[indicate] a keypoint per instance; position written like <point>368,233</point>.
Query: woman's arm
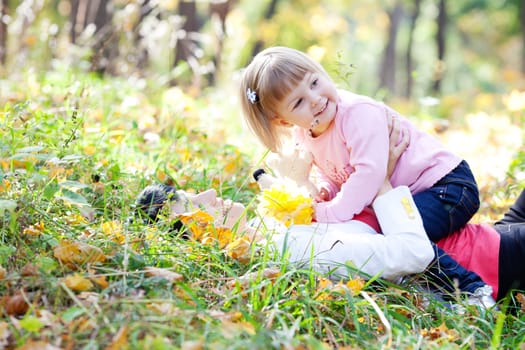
<point>403,249</point>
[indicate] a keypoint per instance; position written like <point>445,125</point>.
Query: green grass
<point>75,147</point>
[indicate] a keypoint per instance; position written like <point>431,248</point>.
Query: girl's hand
<point>322,196</point>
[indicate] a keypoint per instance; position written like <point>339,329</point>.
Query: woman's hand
<point>399,141</point>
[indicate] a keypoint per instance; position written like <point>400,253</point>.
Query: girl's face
<point>311,105</point>
<point>225,212</point>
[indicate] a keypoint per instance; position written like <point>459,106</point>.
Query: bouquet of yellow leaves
<point>287,204</point>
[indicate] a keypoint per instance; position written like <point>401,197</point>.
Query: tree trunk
<point>388,65</point>
<point>185,46</point>
<point>104,44</point>
<point>270,12</point>
<point>409,63</point>
<point>522,21</point>
<point>218,10</point>
<point>439,70</point>
<point>3,32</point>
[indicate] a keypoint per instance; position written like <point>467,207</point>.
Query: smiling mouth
<point>322,109</point>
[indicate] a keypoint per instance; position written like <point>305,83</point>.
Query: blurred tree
<point>519,5</point>
<point>3,32</point>
<point>388,64</point>
<point>268,14</point>
<point>439,69</point>
<point>186,46</point>
<point>92,19</point>
<point>409,66</point>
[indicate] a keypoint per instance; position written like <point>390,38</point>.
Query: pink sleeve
<point>366,135</point>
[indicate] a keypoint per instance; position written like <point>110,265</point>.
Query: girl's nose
<point>315,100</point>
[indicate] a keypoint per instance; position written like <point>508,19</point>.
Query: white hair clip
<point>252,96</point>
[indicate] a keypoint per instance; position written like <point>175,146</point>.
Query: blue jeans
<point>450,203</point>
<point>446,273</point>
<point>445,208</point>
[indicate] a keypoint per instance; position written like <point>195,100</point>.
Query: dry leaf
<point>29,269</point>
<point>113,229</point>
<point>34,230</point>
<point>192,345</point>
<point>240,250</point>
<point>37,345</point>
<point>15,305</point>
<point>244,281</point>
<point>120,340</point>
<point>164,273</point>
<point>78,283</point>
<point>77,253</point>
<point>3,273</point>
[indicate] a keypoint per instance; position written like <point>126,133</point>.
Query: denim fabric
<point>445,208</point>
<point>450,203</point>
<point>446,273</point>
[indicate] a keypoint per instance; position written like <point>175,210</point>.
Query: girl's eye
<point>297,103</point>
<point>314,83</point>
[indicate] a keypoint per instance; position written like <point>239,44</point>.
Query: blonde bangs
<point>277,83</point>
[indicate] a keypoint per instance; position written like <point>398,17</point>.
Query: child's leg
<point>445,208</point>
<point>516,213</point>
<point>450,203</point>
<point>445,272</point>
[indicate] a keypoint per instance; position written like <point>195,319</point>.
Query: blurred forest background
<point>446,62</point>
<point>409,48</point>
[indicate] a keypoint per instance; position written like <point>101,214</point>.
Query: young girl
<point>348,136</point>
<point>283,89</point>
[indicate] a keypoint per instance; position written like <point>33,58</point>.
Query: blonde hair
<point>272,75</point>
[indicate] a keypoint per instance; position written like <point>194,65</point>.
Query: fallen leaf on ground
<point>164,273</point>
<point>15,305</point>
<point>75,253</point>
<point>120,340</point>
<point>78,283</point>
<point>37,345</point>
<point>244,281</point>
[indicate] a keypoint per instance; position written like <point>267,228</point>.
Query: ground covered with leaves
<point>78,269</point>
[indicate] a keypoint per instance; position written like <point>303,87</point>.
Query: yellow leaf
<point>239,249</point>
<point>100,281</point>
<point>75,219</point>
<point>356,285</point>
<point>78,283</point>
<point>34,230</point>
<point>120,340</point>
<point>113,229</point>
<point>5,185</point>
<point>3,272</point>
<point>77,253</point>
